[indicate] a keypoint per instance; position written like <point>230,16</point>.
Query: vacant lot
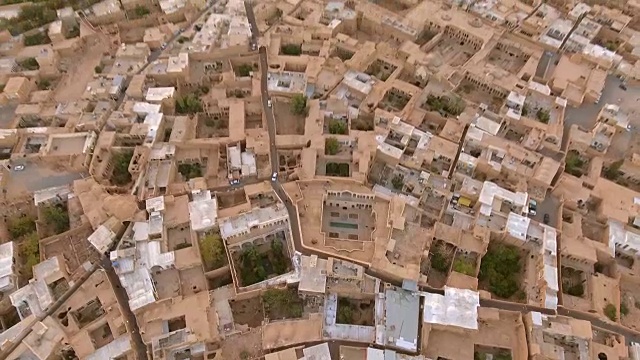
<point>287,123</point>
<point>247,312</point>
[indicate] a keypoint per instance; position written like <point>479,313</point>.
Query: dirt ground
<point>243,346</point>
<point>73,83</point>
<point>247,312</point>
<point>231,198</point>
<point>286,122</point>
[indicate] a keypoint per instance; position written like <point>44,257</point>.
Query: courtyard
<point>347,223</point>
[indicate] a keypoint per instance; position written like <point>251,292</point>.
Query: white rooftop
<point>258,217</point>
<point>457,307</point>
<point>157,94</point>
<point>203,213</point>
<point>102,238</point>
<point>6,266</point>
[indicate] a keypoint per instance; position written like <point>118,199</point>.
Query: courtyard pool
<point>343,225</point>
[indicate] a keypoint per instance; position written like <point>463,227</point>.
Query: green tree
<point>141,11</point>
<point>612,172</point>
<point>44,84</point>
<point>120,175</point>
<point>337,127</point>
<point>57,216</point>
<point>575,290</point>
<point>252,270</point>
<point>245,70</point>
<point>98,69</point>
<point>188,104</point>
<point>573,163</point>
<point>299,104</point>
<point>190,171</point>
<point>283,301</point>
<point>611,312</point>
<point>291,49</point>
<point>212,251</point>
<point>500,267</point>
<point>331,146</point>
<point>464,267</point>
<point>345,313</point>
<point>439,262</point>
<point>543,115</point>
<point>20,226</point>
<point>525,110</point>
<point>38,38</point>
<point>398,182</point>
<point>29,64</point>
<point>624,309</point>
<point>30,252</point>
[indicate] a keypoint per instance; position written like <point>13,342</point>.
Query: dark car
<point>546,218</point>
<point>623,87</point>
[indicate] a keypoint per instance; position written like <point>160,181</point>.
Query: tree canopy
<point>500,268</point>
<point>331,146</point>
<point>188,104</point>
<point>299,104</point>
<point>57,216</point>
<point>337,127</point>
<point>121,175</point>
<point>212,250</point>
<point>21,226</point>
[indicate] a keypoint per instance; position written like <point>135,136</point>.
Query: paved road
<point>295,227</point>
<point>271,126</point>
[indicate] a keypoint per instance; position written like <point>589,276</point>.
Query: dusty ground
<point>73,83</point>
<point>286,122</point>
<point>244,346</point>
<point>247,312</point>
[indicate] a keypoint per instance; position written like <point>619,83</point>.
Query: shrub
<point>331,146</point>
<point>624,309</point>
<point>21,226</point>
<point>188,104</point>
<point>38,38</point>
<point>245,70</point>
<point>397,182</point>
<point>611,312</point>
<point>141,11</point>
<point>464,267</point>
<point>291,49</point>
<point>30,251</point>
<point>576,290</point>
<point>57,216</point>
<point>543,115</point>
<point>299,104</point>
<point>439,262</point>
<point>98,69</point>
<point>120,175</point>
<point>29,64</point>
<point>337,127</point>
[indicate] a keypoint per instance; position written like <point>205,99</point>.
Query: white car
<point>274,176</point>
<point>269,103</point>
<point>18,168</point>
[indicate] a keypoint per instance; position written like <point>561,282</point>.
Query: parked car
<point>533,207</point>
<point>274,176</point>
<point>18,168</point>
<point>546,219</point>
<point>269,103</point>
